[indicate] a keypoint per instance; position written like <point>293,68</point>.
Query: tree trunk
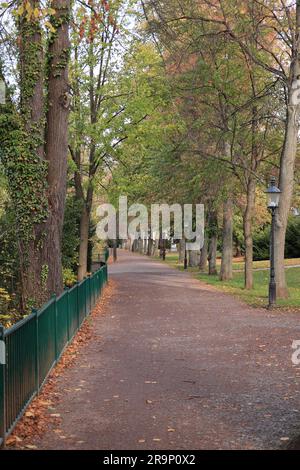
<point>194,257</point>
<point>150,247</point>
<point>247,226</point>
<point>212,256</point>
<point>57,141</point>
<point>84,241</point>
<point>287,166</point>
<point>181,248</point>
<point>33,288</point>
<point>286,183</point>
<point>212,251</point>
<point>115,253</point>
<point>226,264</point>
<point>203,255</point>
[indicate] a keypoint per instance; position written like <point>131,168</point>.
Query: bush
<point>261,241</point>
<point>69,277</point>
<point>71,237</point>
<point>261,244</point>
<point>292,242</point>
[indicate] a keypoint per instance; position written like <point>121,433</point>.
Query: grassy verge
<point>238,264</point>
<point>258,296</point>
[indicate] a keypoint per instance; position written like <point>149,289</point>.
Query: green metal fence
<point>31,347</point>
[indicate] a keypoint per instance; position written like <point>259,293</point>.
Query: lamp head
<point>273,194</point>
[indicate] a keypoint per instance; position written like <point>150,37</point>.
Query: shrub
<point>261,241</point>
<point>69,277</point>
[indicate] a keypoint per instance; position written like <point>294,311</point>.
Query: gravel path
<point>176,364</point>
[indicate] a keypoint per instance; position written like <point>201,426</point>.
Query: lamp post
<point>273,194</point>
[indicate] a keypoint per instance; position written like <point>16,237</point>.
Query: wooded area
<point>163,101</point>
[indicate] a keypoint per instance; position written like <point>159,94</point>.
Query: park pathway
<point>176,364</point>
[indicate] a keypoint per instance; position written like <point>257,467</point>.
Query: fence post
<point>85,296</point>
<point>55,326</point>
<point>68,313</point>
<point>88,289</point>
<point>101,277</point>
<point>37,363</point>
<point>2,388</point>
<point>77,294</point>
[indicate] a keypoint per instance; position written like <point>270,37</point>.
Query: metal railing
<point>31,347</point>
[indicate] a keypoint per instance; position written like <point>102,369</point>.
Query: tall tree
<point>35,152</point>
<point>95,106</point>
<point>56,140</point>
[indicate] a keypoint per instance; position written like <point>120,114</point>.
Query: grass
<point>238,263</point>
<point>258,296</point>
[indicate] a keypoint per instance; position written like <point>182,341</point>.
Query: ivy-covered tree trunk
<point>28,178</point>
<point>57,141</point>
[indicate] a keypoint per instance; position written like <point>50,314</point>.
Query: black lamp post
<point>273,194</point>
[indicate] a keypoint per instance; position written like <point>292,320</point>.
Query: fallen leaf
<point>12,440</point>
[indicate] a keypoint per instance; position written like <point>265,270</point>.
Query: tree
<point>98,104</point>
<point>35,146</point>
<point>227,86</point>
<point>274,28</point>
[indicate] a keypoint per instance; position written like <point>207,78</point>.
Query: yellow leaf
<point>20,10</point>
<point>49,26</point>
<point>28,8</point>
<point>36,12</point>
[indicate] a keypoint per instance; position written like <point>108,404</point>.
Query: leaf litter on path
<point>37,419</point>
